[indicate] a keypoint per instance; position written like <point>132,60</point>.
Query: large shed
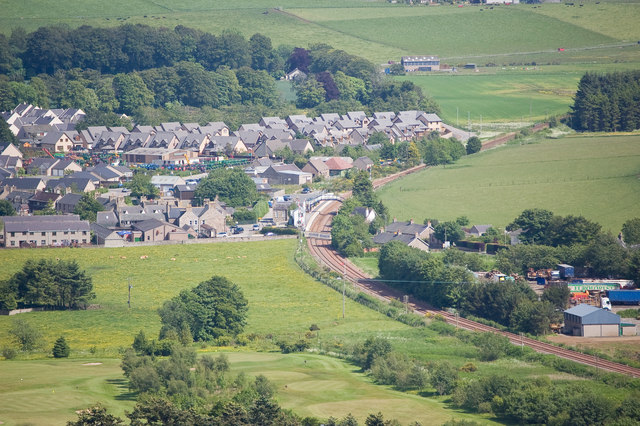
<point>590,321</point>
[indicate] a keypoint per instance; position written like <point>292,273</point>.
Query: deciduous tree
<point>213,308</point>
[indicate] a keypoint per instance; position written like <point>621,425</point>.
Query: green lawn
<point>49,392</point>
<point>506,95</point>
<point>265,271</point>
<point>593,176</point>
<point>315,385</point>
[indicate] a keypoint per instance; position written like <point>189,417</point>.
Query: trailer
<point>566,271</point>
<point>592,286</point>
<point>624,297</point>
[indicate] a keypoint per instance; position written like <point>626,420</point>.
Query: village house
<point>41,231</point>
<point>56,142</point>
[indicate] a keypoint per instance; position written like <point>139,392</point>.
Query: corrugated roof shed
<point>592,315</point>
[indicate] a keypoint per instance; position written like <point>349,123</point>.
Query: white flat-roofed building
<point>420,63</point>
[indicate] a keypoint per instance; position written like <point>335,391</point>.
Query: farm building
<point>420,63</point>
<point>590,321</point>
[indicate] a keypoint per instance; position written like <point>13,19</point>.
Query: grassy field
<point>376,30</point>
<point>265,271</point>
<point>593,176</point>
<point>510,95</point>
<point>49,392</point>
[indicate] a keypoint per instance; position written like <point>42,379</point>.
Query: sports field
<point>593,176</point>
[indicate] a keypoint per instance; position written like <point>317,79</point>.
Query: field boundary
<point>501,140</point>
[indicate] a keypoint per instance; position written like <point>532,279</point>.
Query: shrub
<point>469,367</point>
<point>279,231</point>
<point>61,348</point>
<point>25,335</point>
<point>9,353</point>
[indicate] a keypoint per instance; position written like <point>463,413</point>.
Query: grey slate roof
<point>23,183</point>
<point>70,198</point>
<point>406,228</point>
<point>45,223</point>
<point>107,218</point>
<point>385,237</point>
<point>149,224</point>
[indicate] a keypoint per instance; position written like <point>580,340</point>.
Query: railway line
<point>321,249</point>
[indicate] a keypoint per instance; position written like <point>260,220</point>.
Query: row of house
<point>55,131</point>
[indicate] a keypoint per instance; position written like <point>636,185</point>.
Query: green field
<point>265,271</point>
<point>593,176</point>
<point>49,392</point>
<point>506,95</point>
<point>282,301</point>
<point>376,30</point>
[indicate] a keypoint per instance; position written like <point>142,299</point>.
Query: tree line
<point>340,82</point>
<point>607,102</point>
<point>53,284</point>
<point>153,74</point>
<point>547,240</point>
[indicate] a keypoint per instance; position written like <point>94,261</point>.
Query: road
<point>321,249</point>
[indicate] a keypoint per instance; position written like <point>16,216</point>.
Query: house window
<point>31,233</point>
<point>84,241</point>
<point>84,232</point>
<point>54,233</point>
<point>43,242</point>
<point>73,232</point>
<point>54,241</point>
<point>13,234</point>
<point>44,233</point>
<point>66,232</point>
<point>13,243</point>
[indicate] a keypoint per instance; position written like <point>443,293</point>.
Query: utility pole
<point>130,286</point>
<point>406,303</point>
<point>344,286</point>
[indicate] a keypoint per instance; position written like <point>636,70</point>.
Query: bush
<point>279,231</point>
<point>289,347</point>
<point>25,335</point>
<point>9,353</point>
<point>469,367</point>
<point>61,348</point>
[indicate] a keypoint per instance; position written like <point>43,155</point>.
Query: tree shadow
<point>124,393</point>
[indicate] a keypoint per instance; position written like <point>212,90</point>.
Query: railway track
<point>321,249</point>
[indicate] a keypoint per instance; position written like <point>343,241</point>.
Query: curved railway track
<point>322,251</point>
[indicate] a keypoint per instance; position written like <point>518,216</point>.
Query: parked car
<point>256,227</point>
<point>238,230</point>
<point>287,197</point>
<point>269,234</point>
<point>222,234</point>
<point>306,190</point>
